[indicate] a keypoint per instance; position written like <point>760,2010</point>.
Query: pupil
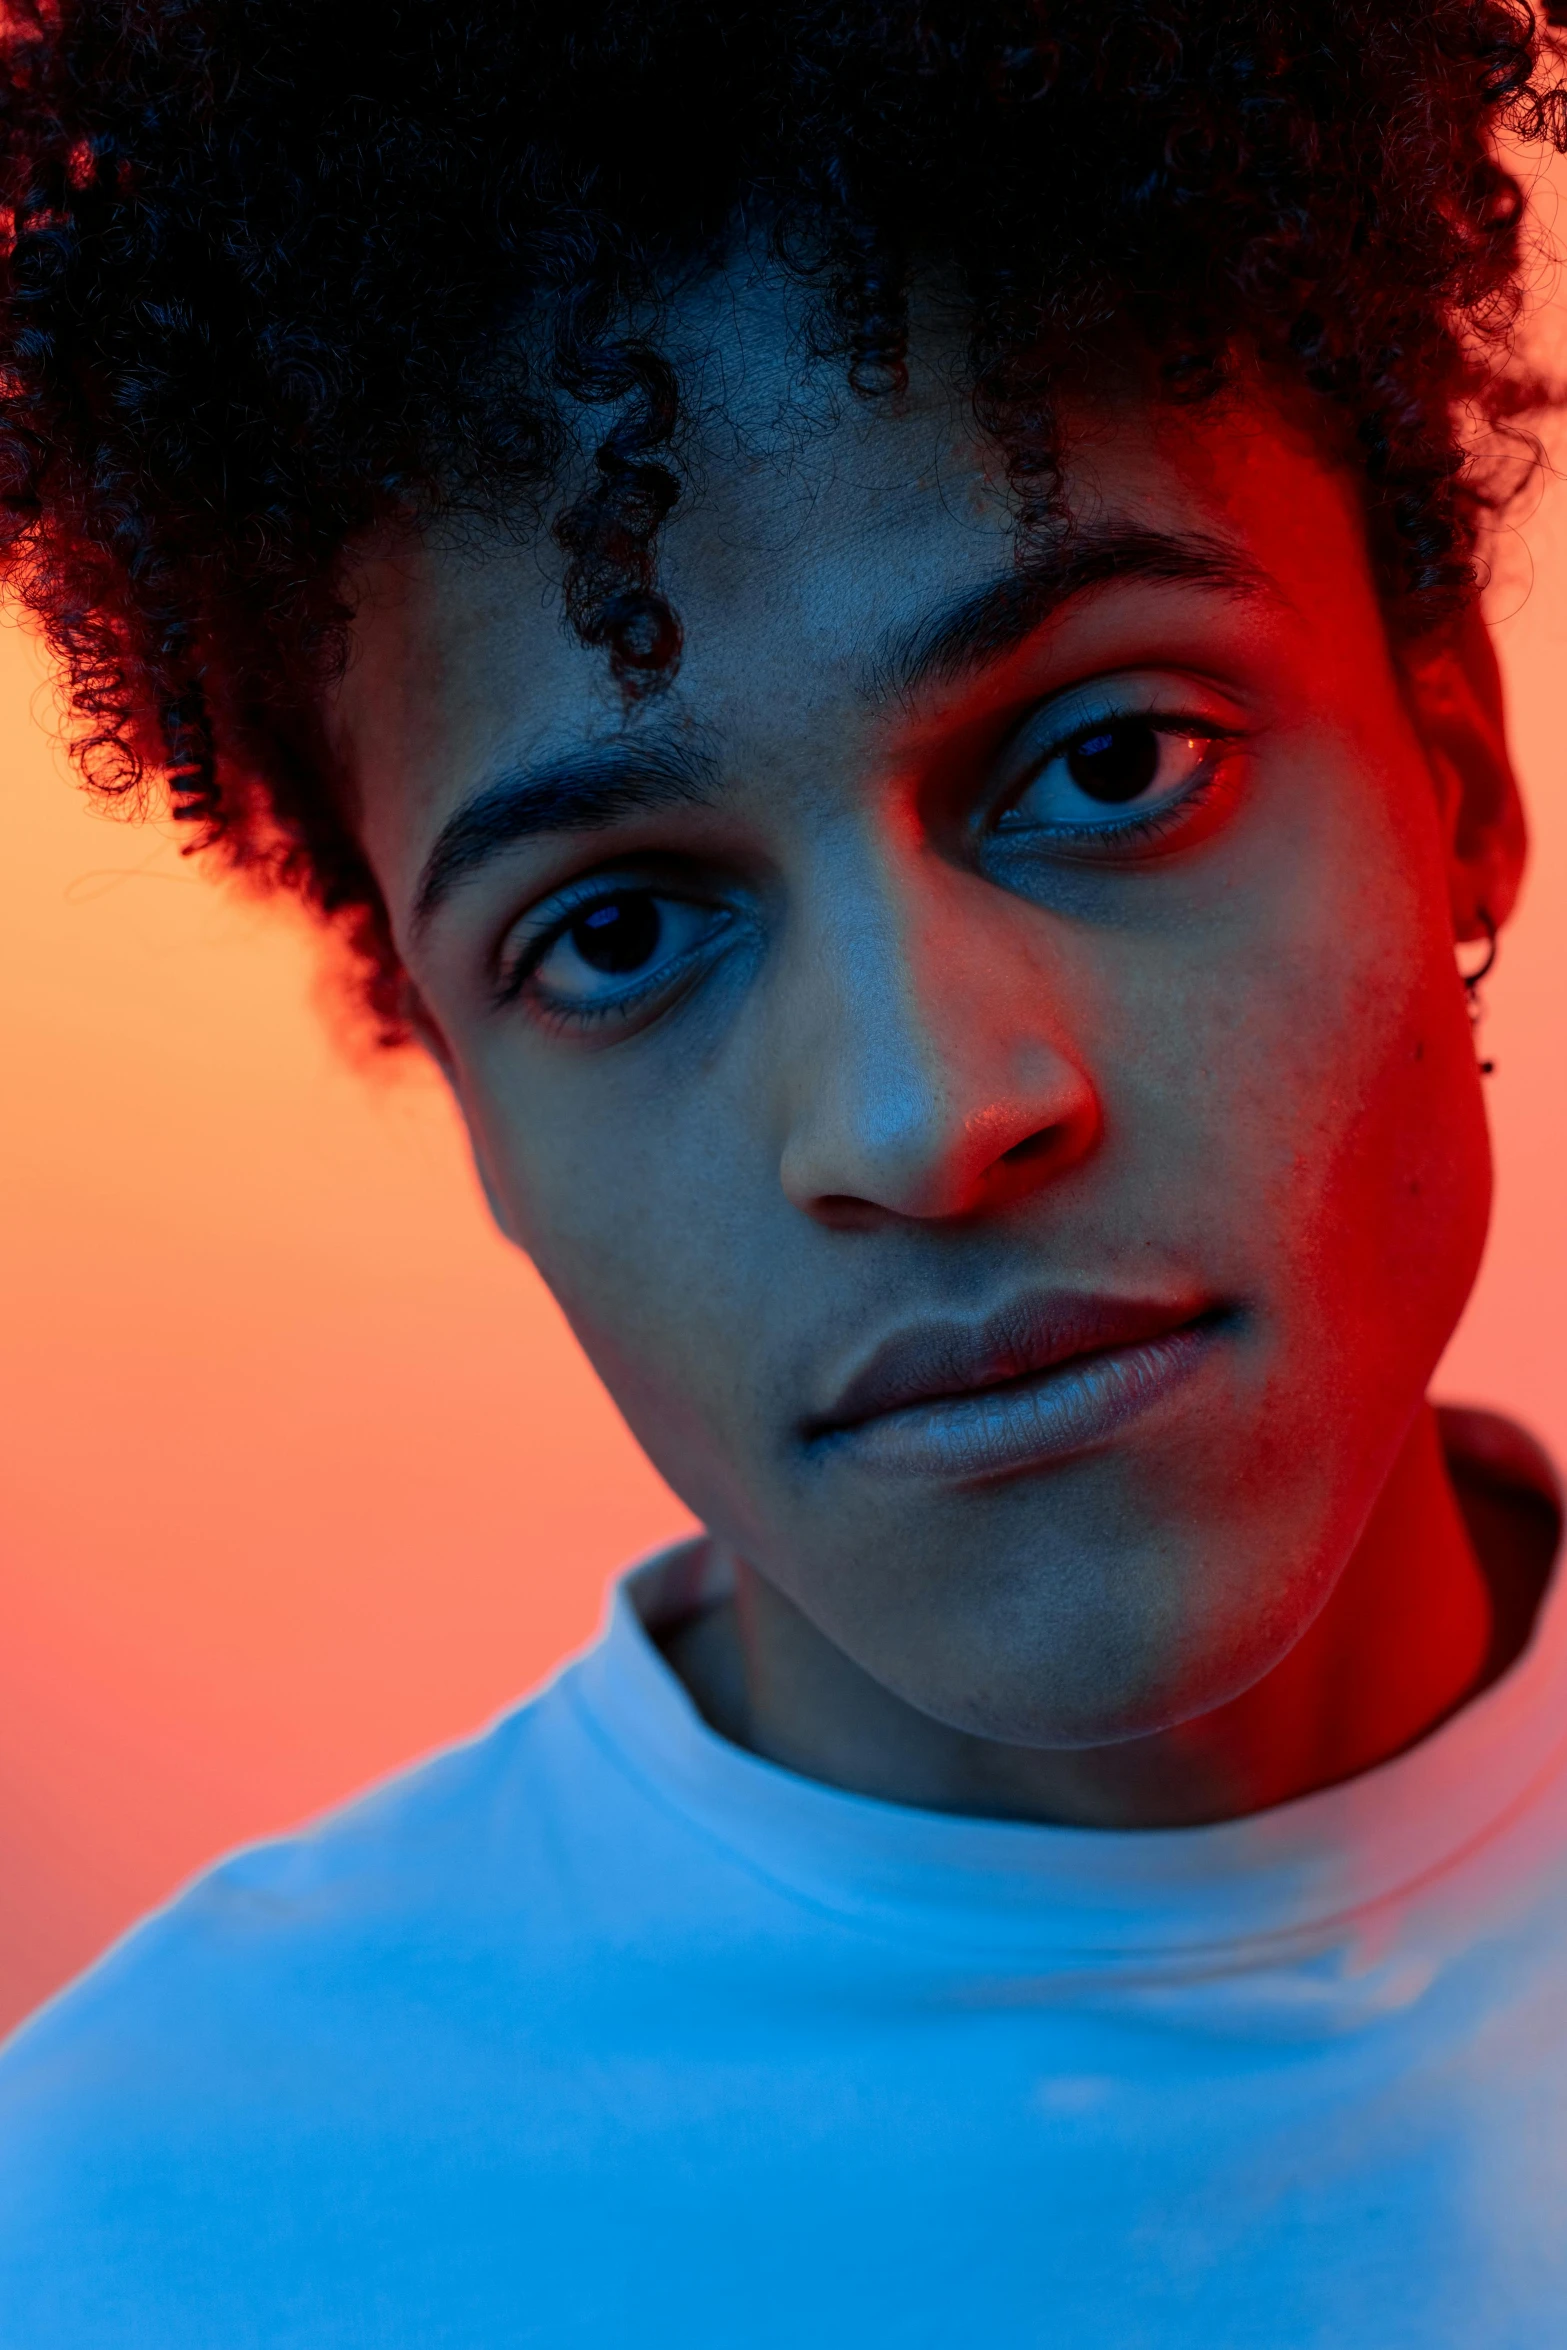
<point>1118,763</point>
<point>619,936</point>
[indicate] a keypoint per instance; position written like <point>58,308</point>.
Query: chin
<point>1069,1686</point>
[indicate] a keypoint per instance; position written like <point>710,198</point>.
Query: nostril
<point>841,1211</point>
<point>1032,1146</point>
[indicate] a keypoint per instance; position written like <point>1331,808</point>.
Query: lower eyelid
<point>634,990</point>
<point>1210,746</point>
<point>1148,825</point>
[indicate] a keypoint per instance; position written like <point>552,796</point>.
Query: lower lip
<point>1072,1408</point>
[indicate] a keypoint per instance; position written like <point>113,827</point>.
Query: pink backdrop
<point>301,1470</point>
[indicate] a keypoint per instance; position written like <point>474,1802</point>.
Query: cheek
<point>1409,1189</point>
<point>640,1217</point>
<point>1324,1094</point>
<point>1404,1186</point>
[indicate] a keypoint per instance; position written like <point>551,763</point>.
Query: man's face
<point>983,1071</point>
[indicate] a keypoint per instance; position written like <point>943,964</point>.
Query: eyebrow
<point>581,791</point>
<point>994,620</point>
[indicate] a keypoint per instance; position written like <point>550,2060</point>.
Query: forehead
<point>815,532</point>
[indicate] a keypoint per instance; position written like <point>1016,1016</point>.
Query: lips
<point>1048,1374</point>
<point>1032,1334</point>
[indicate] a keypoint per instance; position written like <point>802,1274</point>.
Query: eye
<point>619,936</point>
<point>614,948</point>
<point>1128,766</point>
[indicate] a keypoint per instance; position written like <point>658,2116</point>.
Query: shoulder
<point>293,1961</point>
<point>367,1872</point>
<point>344,2064</point>
<point>439,1914</point>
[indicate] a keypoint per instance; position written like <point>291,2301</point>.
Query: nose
<point>927,1064</point>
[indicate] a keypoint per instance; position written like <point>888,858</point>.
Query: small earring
<point>1472,979</point>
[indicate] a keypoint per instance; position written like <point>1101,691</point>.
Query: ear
<point>428,1035</point>
<point>1455,695</point>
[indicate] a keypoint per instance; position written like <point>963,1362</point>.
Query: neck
<point>1402,1641</point>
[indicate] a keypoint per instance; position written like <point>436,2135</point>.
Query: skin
<point>920,1054</point>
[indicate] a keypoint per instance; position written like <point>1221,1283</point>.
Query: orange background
<point>301,1470</point>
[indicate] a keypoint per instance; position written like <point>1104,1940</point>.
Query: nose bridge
<point>917,1040</point>
<point>879,1057</point>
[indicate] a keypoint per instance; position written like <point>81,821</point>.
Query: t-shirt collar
<point>1301,1876</point>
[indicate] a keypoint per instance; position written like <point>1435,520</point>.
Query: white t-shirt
<point>600,2031</point>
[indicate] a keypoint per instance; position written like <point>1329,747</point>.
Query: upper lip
<point>1030,1334</point>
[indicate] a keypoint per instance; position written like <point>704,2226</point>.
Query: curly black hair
<point>275,273</point>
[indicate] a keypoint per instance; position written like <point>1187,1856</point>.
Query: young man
<point>865,618</point>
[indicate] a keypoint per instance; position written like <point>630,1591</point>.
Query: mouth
<point>1047,1379</point>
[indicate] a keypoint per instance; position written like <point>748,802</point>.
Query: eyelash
<point>1157,823</point>
<point>570,907</point>
<point>582,898</point>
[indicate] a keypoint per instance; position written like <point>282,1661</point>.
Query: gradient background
<point>300,1470</point>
